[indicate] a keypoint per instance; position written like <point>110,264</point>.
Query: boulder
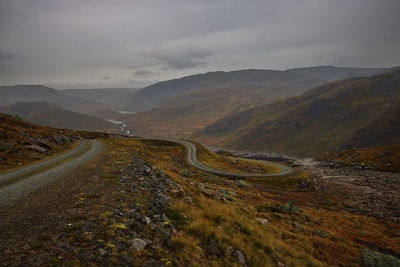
<point>139,244</point>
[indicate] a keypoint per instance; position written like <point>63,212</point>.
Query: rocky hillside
<point>140,204</point>
<point>22,142</point>
<point>383,158</point>
<point>48,114</point>
<point>357,112</point>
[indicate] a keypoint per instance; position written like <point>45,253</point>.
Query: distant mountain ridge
<point>160,93</point>
<point>332,73</point>
<point>215,97</point>
<point>12,94</point>
<point>99,94</point>
<point>355,112</point>
<point>180,106</point>
<point>50,114</point>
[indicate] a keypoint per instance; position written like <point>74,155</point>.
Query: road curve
<point>192,159</point>
<point>15,183</point>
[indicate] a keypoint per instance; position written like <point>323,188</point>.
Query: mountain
<point>99,95</point>
<point>351,113</point>
<point>160,93</point>
<point>49,114</point>
<point>213,96</point>
<point>12,94</point>
<point>181,106</point>
<point>332,73</point>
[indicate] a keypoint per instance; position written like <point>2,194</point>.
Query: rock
<point>185,173</point>
<point>240,256</point>
<point>37,149</point>
<point>139,244</point>
<point>42,143</point>
<point>102,252</point>
<point>376,259</point>
<point>262,221</point>
<point>147,220</point>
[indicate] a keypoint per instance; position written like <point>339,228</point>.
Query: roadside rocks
<point>364,191</point>
<point>139,244</point>
<point>148,220</point>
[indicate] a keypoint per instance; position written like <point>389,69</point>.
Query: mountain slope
<point>12,94</point>
<point>45,113</point>
<point>161,93</point>
<point>22,142</point>
<point>232,92</point>
<point>358,112</point>
<point>185,105</point>
<point>332,73</point>
<point>99,95</point>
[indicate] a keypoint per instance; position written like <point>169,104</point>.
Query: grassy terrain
<point>85,224</point>
<point>231,163</point>
<point>352,113</point>
<point>22,143</point>
<point>381,158</point>
<point>312,237</point>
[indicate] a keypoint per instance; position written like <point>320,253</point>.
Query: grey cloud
<point>145,74</point>
<point>181,58</point>
<point>64,42</point>
<point>6,56</point>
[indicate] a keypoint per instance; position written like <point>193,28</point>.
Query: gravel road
<point>192,159</point>
<point>26,180</point>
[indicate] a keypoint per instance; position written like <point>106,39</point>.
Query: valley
<point>191,133</point>
<point>246,168</point>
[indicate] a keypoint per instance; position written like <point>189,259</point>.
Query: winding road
<point>192,159</point>
<point>18,182</point>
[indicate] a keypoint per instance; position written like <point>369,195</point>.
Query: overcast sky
<point>121,43</point>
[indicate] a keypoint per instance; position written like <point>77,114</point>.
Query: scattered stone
<point>102,252</point>
<point>37,148</point>
<point>376,259</point>
<point>262,221</point>
<point>185,173</point>
<point>240,256</point>
<point>139,244</point>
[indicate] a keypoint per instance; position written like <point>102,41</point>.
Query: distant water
<point>126,112</point>
<point>114,121</point>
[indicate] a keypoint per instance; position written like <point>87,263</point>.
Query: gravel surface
<point>192,159</point>
<point>11,192</point>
